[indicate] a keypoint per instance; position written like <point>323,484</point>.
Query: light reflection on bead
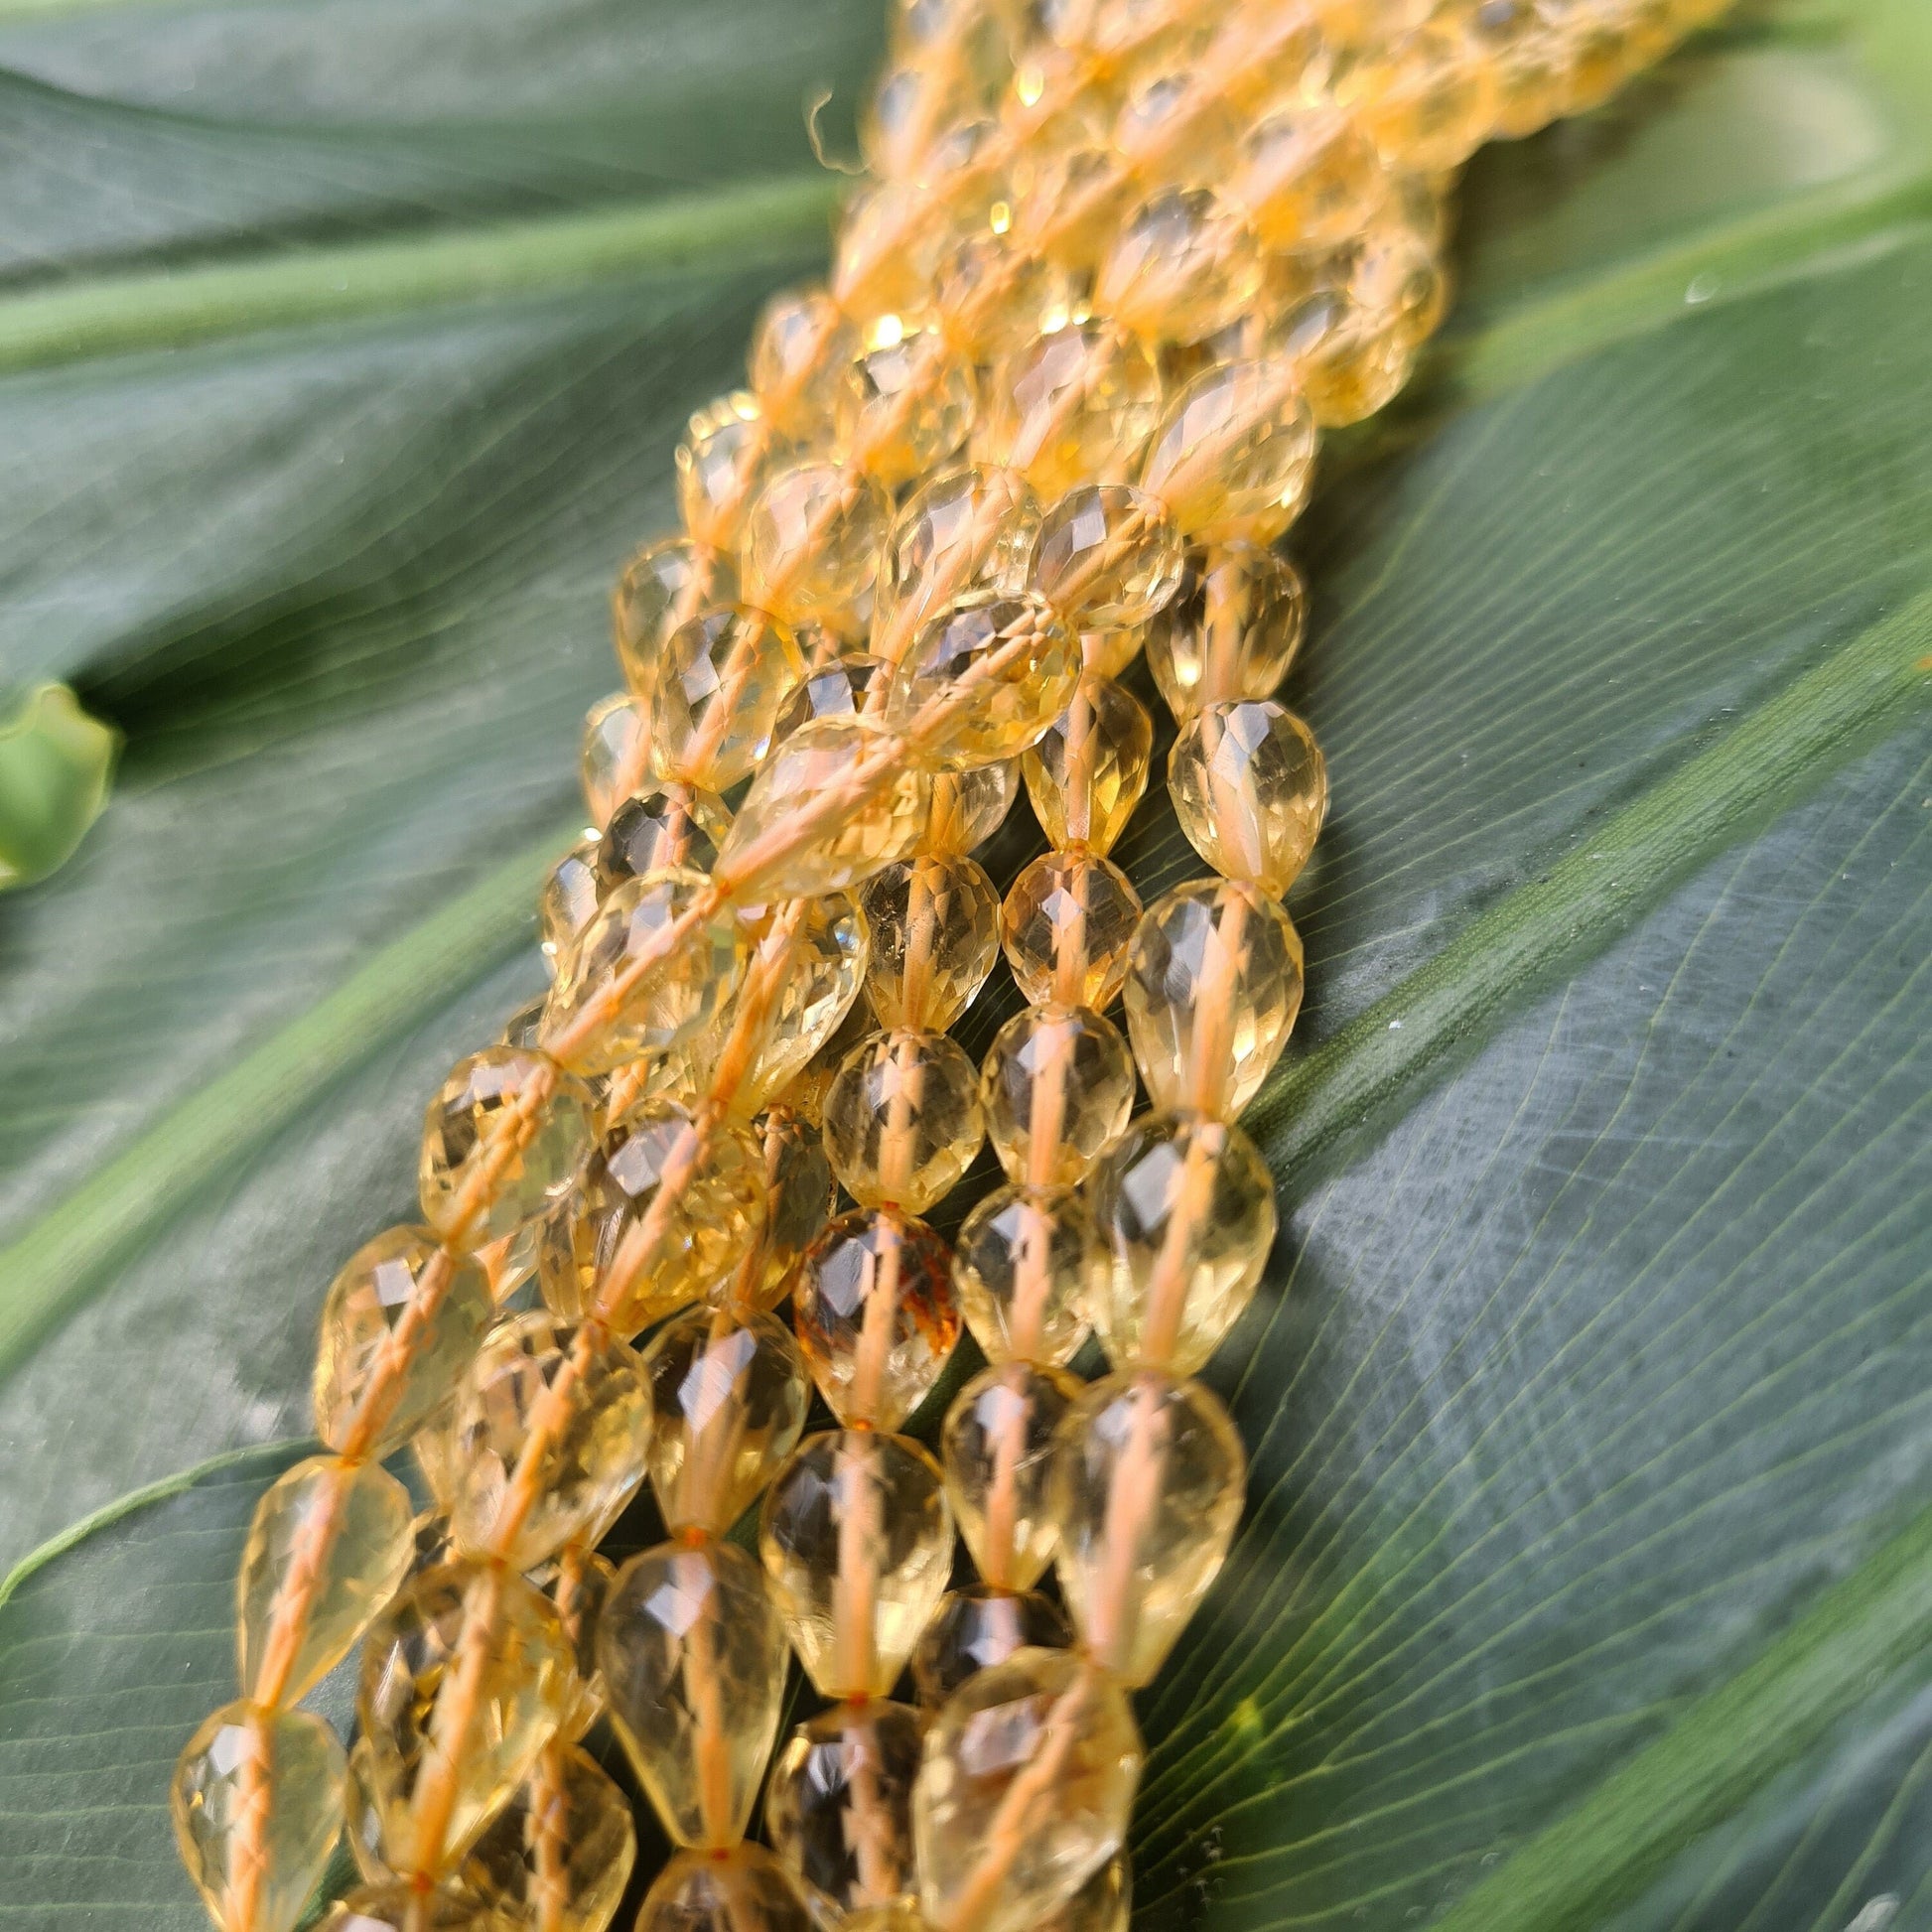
<point>1075,406</point>
<point>902,1119</point>
<point>904,405</point>
<point>1070,907</point>
<point>570,1856</point>
<point>1250,789</point>
<point>997,1449</point>
<point>723,462</point>
<point>1231,631</point>
<point>983,680</point>
<point>799,351</point>
<point>1056,1086</point>
<point>722,681</point>
<point>1234,453</point>
<point>664,586</point>
<point>969,529</point>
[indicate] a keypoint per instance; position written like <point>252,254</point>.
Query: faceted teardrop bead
<point>799,351</point>
<point>1089,769</point>
<point>1108,555</point>
<point>616,756</point>
<point>552,1427</point>
<point>1234,453</point>
<point>1178,126</point>
<point>399,1907</point>
<point>935,933</point>
<point>466,1677</point>
<point>743,1891</point>
<point>1308,178</point>
<point>836,689</point>
<point>396,1279</point>
<point>257,1807</point>
<point>967,529</point>
<point>839,1807</point>
<point>503,1142</point>
<point>1213,986</point>
<point>350,1526</point>
<point>727,454</point>
<point>1350,360</point>
<point>1147,1493</point>
<point>1022,1271</point>
<point>567,902</point>
<point>720,685</point>
<point>902,1119</point>
<point>980,1626</point>
<point>1077,192</point>
<point>1185,1208</point>
<point>968,807</point>
<point>1183,265</point>
<point>911,108</point>
<point>983,680</point>
<point>994,296</point>
<point>671,824</point>
<point>875,1315</point>
<point>580,1589</point>
<point>1231,631</point>
<point>650,972</point>
<point>996,1448</point>
<point>1073,407</point>
<point>663,587</point>
<point>1250,789</point>
<point>890,242</point>
<point>729,1395</point>
<point>906,403</point>
<point>857,1539</point>
<point>1026,1790</point>
<point>799,1197</point>
<point>1426,101</point>
<point>1067,924</point>
<point>1057,1087</point>
<point>565,1851</point>
<point>811,546</point>
<point>693,1650</point>
<point>1397,277</point>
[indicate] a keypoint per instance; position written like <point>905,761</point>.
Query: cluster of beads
<point>1119,264</point>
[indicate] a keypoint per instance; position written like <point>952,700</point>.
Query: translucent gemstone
<point>967,529</point>
<point>906,403</point>
<point>503,1142</point>
<point>983,680</point>
<point>997,1449</point>
<point>727,454</point>
<point>935,933</point>
<point>1026,1790</point>
<point>1308,178</point>
<point>1057,1087</point>
<point>902,1119</point>
<point>799,351</point>
<point>839,1807</point>
<point>891,242</point>
<point>616,756</point>
<point>1250,789</point>
<point>1426,101</point>
<point>799,1197</point>
<point>561,1856</point>
<point>1147,1493</point>
<point>1231,631</point>
<point>1348,360</point>
<point>400,1907</point>
<point>396,1277</point>
<point>650,972</point>
<point>1397,277</point>
<point>744,1890</point>
<point>580,1589</point>
<point>836,689</point>
<point>968,807</point>
<point>729,1395</point>
<point>980,1626</point>
<point>911,108</point>
<point>364,1821</point>
<point>1103,1904</point>
<point>567,902</point>
<point>257,1806</point>
<point>466,1677</point>
<point>1106,555</point>
<point>663,825</point>
<point>1075,406</point>
<point>1185,1208</point>
<point>1089,769</point>
<point>1213,986</point>
<point>811,545</point>
<point>693,1650</point>
<point>1234,453</point>
<point>1183,265</point>
<point>1077,194</point>
<point>1022,1271</point>
<point>994,296</point>
<point>349,1524</point>
<point>1068,923</point>
<point>857,1539</point>
<point>807,1097</point>
<point>722,681</point>
<point>1178,126</point>
<point>662,587</point>
<point>551,1430</point>
<point>875,1315</point>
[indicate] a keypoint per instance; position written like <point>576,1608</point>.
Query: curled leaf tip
<point>55,767</point>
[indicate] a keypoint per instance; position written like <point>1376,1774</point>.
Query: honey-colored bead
<point>1176,127</point>
<point>1183,265</point>
<point>257,1805</point>
<point>664,586</point>
<point>1231,631</point>
<point>382,1285</point>
<point>984,679</point>
<point>745,1889</point>
<point>1425,100</point>
<point>1185,1209</point>
<point>615,758</point>
<point>723,679</point>
<point>1146,1492</point>
<point>580,1589</point>
<point>980,1864</point>
<point>349,1525</point>
<point>1399,279</point>
<point>1089,769</point>
<point>1348,360</point>
<point>1308,178</point>
<point>1076,192</point>
<point>439,1772</point>
<point>362,1820</point>
<point>561,1856</point>
<point>997,1449</point>
<point>399,1907</point>
<point>875,1313</point>
<point>799,1197</point>
<point>661,826</point>
<point>857,1539</point>
<point>974,1629</point>
<point>799,351</point>
<point>832,690</point>
<point>1023,1270</point>
<point>994,296</point>
<point>967,529</point>
<point>968,807</point>
<point>729,1395</point>
<point>906,403</point>
<point>1067,924</point>
<point>1056,1087</point>
<point>727,454</point>
<point>1108,555</point>
<point>902,1119</point>
<point>811,546</point>
<point>1212,989</point>
<point>839,1807</point>
<point>504,1140</point>
<point>935,933</point>
<point>693,1649</point>
<point>1234,453</point>
<point>890,243</point>
<point>567,902</point>
<point>1250,789</point>
<point>911,108</point>
<point>1073,407</point>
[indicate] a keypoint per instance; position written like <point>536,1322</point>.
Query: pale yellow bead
<point>727,454</point>
<point>799,1197</point>
<point>997,1449</point>
<point>615,758</point>
<point>902,1119</point>
<point>1178,127</point>
<point>663,586</point>
<point>839,1805</point>
<point>1023,1269</point>
<point>1427,100</point>
<point>1074,406</point>
<point>561,1856</point>
<point>969,806</point>
<point>362,1820</point>
<point>1108,555</point>
<point>1103,1904</point>
<point>1089,769</point>
<point>905,404</point>
<point>1075,191</point>
<point>661,825</point>
<point>910,109</point>
<point>993,297</point>
<point>1350,360</point>
<point>580,1588</point>
<point>1067,924</point>
<point>799,351</point>
<point>1234,453</point>
<point>835,688</point>
<point>1231,631</point>
<point>722,681</point>
<point>1251,788</point>
<point>969,529</point>
<point>1397,277</point>
<point>743,1891</point>
<point>1183,265</point>
<point>567,902</point>
<point>935,934</point>
<point>398,1907</point>
<point>980,1626</point>
<point>891,242</point>
<point>1056,1087</point>
<point>1308,178</point>
<point>813,542</point>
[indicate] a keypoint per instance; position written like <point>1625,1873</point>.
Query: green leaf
<point>1583,1579</point>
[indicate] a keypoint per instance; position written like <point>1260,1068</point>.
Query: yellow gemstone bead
<point>1000,1859</point>
<point>743,1891</point>
<point>1348,360</point>
<point>349,1524</point>
<point>1068,923</point>
<point>616,756</point>
<point>257,1805</point>
<point>994,296</point>
<point>727,454</point>
<point>1186,1210</point>
<point>839,1807</point>
<point>1056,1087</point>
<point>813,542</point>
<point>1076,191</point>
<point>1397,277</point>
<point>664,586</point>
<point>836,689</point>
<point>561,1856</point>
<point>1427,100</point>
<point>661,826</point>
<point>1022,1271</point>
<point>729,1395</point>
<point>1108,555</point>
<point>1089,769</point>
<point>902,1119</point>
<point>1147,1493</point>
<point>967,529</point>
<point>380,1287</point>
<point>799,351</point>
<point>1234,453</point>
<point>1212,989</point>
<point>567,902</point>
<point>935,933</point>
<point>363,1820</point>
<point>504,1140</point>
<point>1308,178</point>
<point>1178,127</point>
<point>1103,1904</point>
<point>997,1449</point>
<point>968,807</point>
<point>722,681</point>
<point>890,243</point>
<point>912,106</point>
<point>1183,265</point>
<point>974,1629</point>
<point>906,403</point>
<point>984,679</point>
<point>580,1589</point>
<point>1231,631</point>
<point>397,1907</point>
<point>1075,406</point>
<point>1530,62</point>
<point>693,1649</point>
<point>1250,789</point>
<point>857,1540</point>
<point>875,1315</point>
<point>799,1197</point>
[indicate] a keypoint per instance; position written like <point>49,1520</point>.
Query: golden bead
<point>722,681</point>
<point>364,1821</point>
<point>799,1197</point>
<point>616,756</point>
<point>967,529</point>
<point>811,546</point>
<point>1348,360</point>
<point>663,825</point>
<point>1231,631</point>
<point>1056,1087</point>
<point>1066,924</point>
<point>906,403</point>
<point>969,806</point>
<point>1250,789</point>
<point>993,297</point>
<point>1075,406</point>
<point>398,1907</point>
<point>1107,556</point>
<point>984,679</point>
<point>997,1449</point>
<point>1308,178</point>
<point>1103,1904</point>
<point>1086,773</point>
<point>835,688</point>
<point>562,1863</point>
<point>1398,278</point>
<point>727,454</point>
<point>663,586</point>
<point>912,105</point>
<point>1076,191</point>
<point>1234,453</point>
<point>799,351</point>
<point>1183,266</point>
<point>839,1806</point>
<point>891,240</point>
<point>745,1889</point>
<point>1427,100</point>
<point>935,933</point>
<point>580,1588</point>
<point>902,1119</point>
<point>1022,1271</point>
<point>567,902</point>
<point>980,1626</point>
<point>1178,127</point>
